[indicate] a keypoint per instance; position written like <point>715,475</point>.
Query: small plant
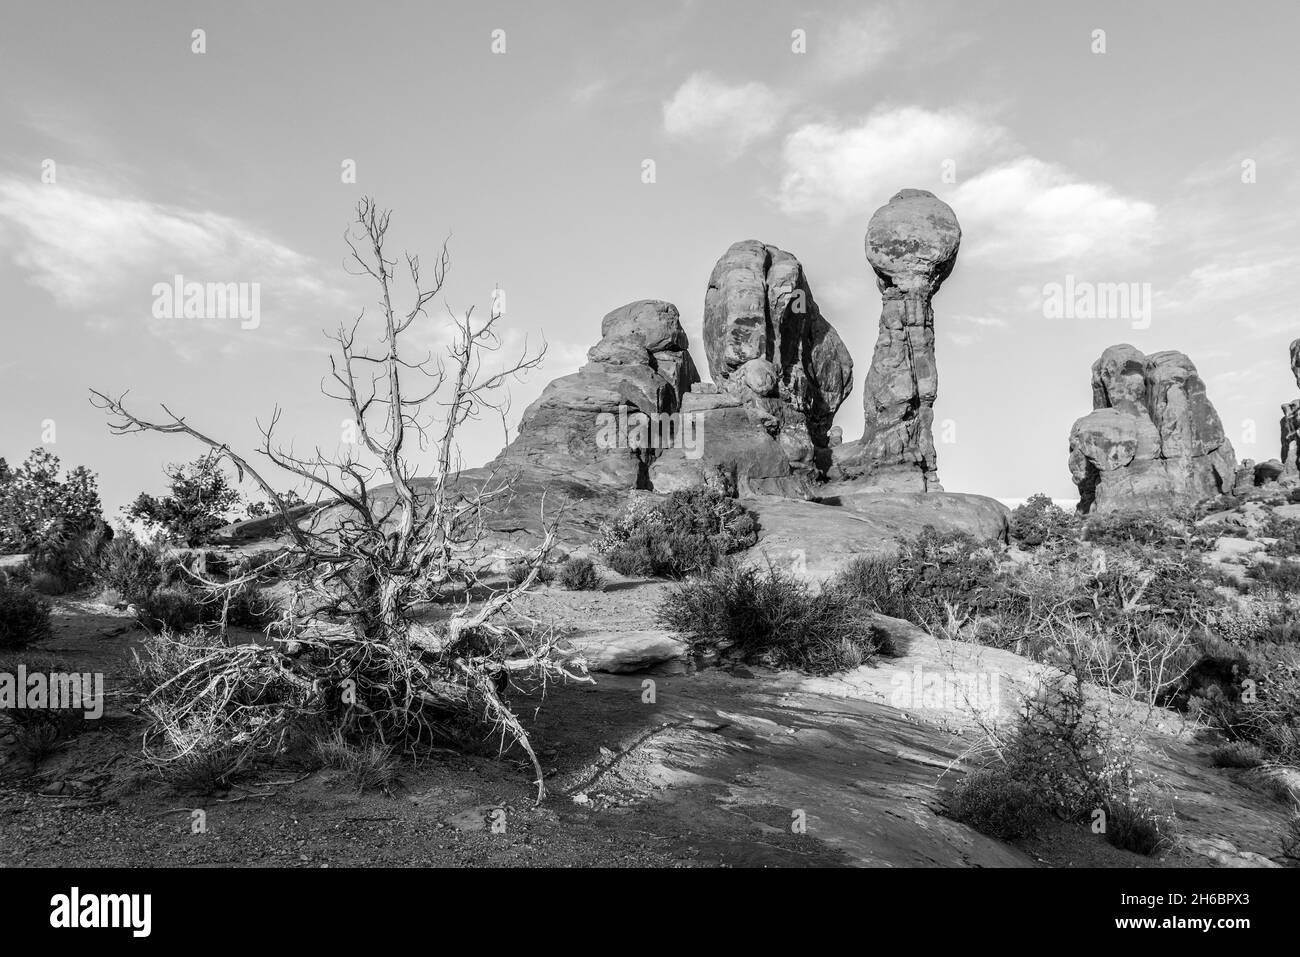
<point>1132,824</point>
<point>518,574</point>
<point>24,616</point>
<point>1282,578</point>
<point>1127,525</point>
<point>1237,754</point>
<point>766,615</point>
<point>579,574</point>
<point>1291,837</point>
<point>173,607</point>
<point>370,765</point>
<point>996,804</point>
<point>130,567</point>
<point>48,584</point>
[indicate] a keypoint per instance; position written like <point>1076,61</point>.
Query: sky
<point>1150,144</point>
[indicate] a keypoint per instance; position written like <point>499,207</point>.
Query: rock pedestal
<point>911,244</point>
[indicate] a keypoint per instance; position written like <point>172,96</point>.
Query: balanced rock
<point>605,423</point>
<point>769,346</point>
<point>911,244</point>
<point>1153,439</point>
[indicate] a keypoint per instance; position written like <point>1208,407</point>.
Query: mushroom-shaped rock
<point>911,244</point>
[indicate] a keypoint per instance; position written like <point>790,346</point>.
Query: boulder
<point>819,538</point>
<point>911,245</point>
<point>1153,438</point>
<point>585,425</point>
<point>625,652</point>
<point>722,437</point>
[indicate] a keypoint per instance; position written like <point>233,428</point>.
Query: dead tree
<point>364,559</point>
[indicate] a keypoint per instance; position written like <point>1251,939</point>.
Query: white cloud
<point>857,44</point>
<point>1031,212</point>
<point>841,172</point>
<point>705,108</point>
<point>1013,207</point>
<point>98,251</point>
<point>984,322</point>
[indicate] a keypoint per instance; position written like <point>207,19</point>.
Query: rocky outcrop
<point>911,244</point>
<point>1290,424</point>
<point>725,439</point>
<point>1153,439</point>
<point>769,346</point>
<point>605,423</point>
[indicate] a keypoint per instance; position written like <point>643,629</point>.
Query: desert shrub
<point>24,616</point>
<point>579,574</point>
<point>244,607</point>
<point>687,534</point>
<point>1282,578</point>
<point>1133,824</point>
<point>1065,749</point>
<point>518,571</point>
<point>37,506</point>
<point>1291,836</point>
<point>199,501</point>
<point>1237,754</point>
<point>766,615</point>
<point>933,580</point>
<point>48,584</point>
<point>163,655</point>
<point>173,607</point>
<point>370,765</point>
<point>996,804</point>
<point>132,568</point>
<point>1281,629</point>
<point>1146,527</point>
<point>1259,705</point>
<point>1040,521</point>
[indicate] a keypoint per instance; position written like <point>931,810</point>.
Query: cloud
<point>857,44</point>
<point>843,171</point>
<point>984,322</point>
<point>1013,207</point>
<point>706,109</point>
<point>99,251</point>
<point>1031,212</point>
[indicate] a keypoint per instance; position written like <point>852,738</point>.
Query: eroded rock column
<point>911,244</point>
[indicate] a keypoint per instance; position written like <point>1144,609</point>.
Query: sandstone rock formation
<point>769,346</point>
<point>584,425</point>
<point>726,440</point>
<point>1153,439</point>
<point>912,245</point>
<point>1290,424</point>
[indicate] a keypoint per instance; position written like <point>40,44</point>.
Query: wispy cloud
<point>99,251</point>
<point>1013,206</point>
<point>730,116</point>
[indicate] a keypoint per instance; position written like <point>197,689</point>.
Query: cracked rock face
<point>911,244</point>
<point>1153,438</point>
<point>769,346</point>
<point>641,364</point>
